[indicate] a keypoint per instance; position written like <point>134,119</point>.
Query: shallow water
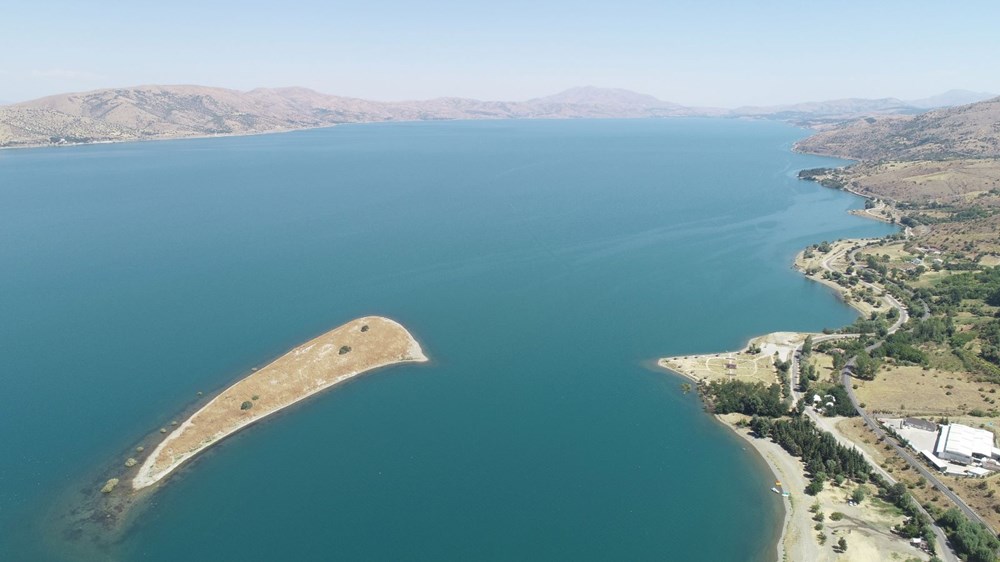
<point>540,263</point>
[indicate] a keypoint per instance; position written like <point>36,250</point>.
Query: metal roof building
<point>961,443</point>
<point>938,463</point>
<point>918,423</point>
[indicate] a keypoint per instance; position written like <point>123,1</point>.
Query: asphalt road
<point>846,379</point>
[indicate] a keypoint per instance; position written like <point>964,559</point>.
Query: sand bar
<point>334,357</point>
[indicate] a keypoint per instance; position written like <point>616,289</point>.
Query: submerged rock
<point>109,485</point>
<point>131,462</point>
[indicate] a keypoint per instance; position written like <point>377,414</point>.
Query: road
<point>905,453</point>
<point>944,552</point>
<point>846,380</point>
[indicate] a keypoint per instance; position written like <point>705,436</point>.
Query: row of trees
<point>823,456</point>
<point>916,524</point>
<point>973,542</point>
<point>826,459</point>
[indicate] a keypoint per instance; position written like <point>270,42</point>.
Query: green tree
<point>865,366</point>
<point>814,487</point>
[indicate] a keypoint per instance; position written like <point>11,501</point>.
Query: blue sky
<point>695,53</point>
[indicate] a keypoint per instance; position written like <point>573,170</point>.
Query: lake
<point>542,265</point>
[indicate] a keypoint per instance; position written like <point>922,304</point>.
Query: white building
<point>963,444</point>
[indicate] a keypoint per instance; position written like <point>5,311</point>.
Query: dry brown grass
<point>346,351</point>
<point>911,390</point>
<point>980,494</point>
<point>749,367</point>
<point>980,236</point>
<point>952,181</point>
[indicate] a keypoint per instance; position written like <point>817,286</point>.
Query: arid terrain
<point>174,111</point>
<point>157,112</point>
<point>336,356</point>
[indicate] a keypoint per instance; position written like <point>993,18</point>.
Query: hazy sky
<point>695,53</point>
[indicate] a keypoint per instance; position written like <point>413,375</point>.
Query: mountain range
<point>155,112</point>
<point>962,132</point>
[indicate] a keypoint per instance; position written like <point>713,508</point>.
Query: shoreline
<point>780,464</point>
<point>219,420</point>
<point>178,137</point>
<point>788,546</point>
<point>794,540</point>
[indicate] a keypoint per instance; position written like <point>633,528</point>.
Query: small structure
<point>977,472</point>
<point>938,463</point>
<point>990,464</point>
<point>963,444</point>
<point>816,399</point>
<point>917,423</point>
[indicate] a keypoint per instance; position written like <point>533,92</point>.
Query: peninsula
<point>357,347</point>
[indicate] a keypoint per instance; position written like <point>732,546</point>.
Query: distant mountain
<point>818,114</point>
<point>951,98</point>
<point>154,112</point>
<point>828,110</point>
<point>150,112</point>
<point>967,131</point>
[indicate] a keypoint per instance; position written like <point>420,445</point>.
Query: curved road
<point>845,375</point>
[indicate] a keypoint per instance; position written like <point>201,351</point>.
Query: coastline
<point>219,419</point>
<point>788,470</point>
<point>784,468</point>
<point>180,137</point>
<point>794,542</point>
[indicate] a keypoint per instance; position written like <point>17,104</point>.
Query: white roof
<point>976,471</point>
<point>964,440</point>
<point>940,464</point>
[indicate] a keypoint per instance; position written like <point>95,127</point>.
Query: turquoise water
<point>540,263</point>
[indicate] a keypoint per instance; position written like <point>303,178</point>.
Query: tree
<point>838,360</point>
<point>246,405</point>
<point>858,495</point>
<point>975,542</point>
<point>814,487</point>
<point>994,298</point>
<point>807,346</point>
<point>895,493</point>
<point>865,366</point>
<point>842,543</point>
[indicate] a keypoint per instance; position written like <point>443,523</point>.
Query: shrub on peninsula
<point>246,405</point>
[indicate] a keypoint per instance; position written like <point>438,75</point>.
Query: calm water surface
<point>540,264</point>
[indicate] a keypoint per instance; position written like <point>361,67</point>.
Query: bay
<point>542,264</point>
